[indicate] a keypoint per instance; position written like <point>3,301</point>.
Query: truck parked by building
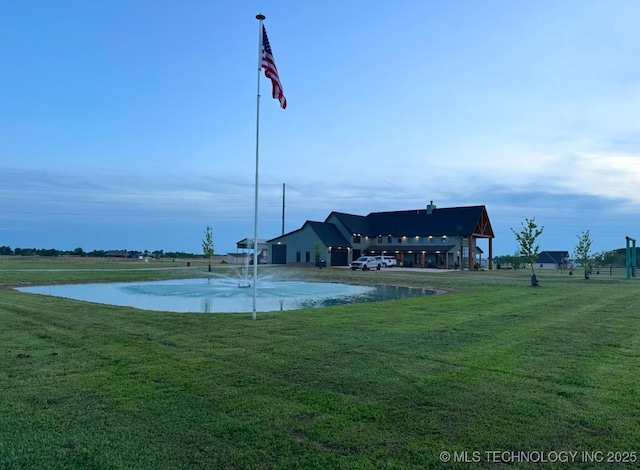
<point>365,263</point>
<point>387,261</point>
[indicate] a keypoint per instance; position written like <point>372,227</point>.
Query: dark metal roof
<point>450,221</point>
<point>447,221</point>
<point>328,234</point>
<point>556,257</point>
<point>355,224</point>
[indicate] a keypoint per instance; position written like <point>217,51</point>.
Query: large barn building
<point>431,237</point>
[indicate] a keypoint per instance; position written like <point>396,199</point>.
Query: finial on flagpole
<point>260,16</point>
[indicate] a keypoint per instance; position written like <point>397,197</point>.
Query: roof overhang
<point>408,249</point>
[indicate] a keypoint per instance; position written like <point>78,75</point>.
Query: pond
<point>215,295</point>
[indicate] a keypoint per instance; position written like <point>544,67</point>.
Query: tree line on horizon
<point>79,252</point>
<point>614,258</point>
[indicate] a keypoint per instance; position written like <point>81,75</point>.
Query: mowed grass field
<point>492,365</point>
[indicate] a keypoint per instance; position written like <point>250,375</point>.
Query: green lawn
<point>492,365</point>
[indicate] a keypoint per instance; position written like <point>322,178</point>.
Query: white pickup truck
<point>365,263</point>
<point>387,261</point>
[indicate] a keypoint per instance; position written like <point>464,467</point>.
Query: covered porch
<point>419,256</point>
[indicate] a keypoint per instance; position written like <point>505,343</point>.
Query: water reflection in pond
<point>224,296</point>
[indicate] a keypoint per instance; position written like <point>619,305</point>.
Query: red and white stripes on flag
<point>270,71</point>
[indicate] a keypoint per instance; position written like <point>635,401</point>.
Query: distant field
<point>494,365</point>
<point>72,262</point>
<point>18,270</point>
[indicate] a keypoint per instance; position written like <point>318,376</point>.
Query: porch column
<point>490,253</point>
<point>470,266</point>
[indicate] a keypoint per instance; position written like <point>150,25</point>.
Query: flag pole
<point>260,17</point>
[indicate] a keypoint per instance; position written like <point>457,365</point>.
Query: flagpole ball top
<point>260,16</point>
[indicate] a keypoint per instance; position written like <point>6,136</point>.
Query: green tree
<point>598,259</point>
<point>516,260</point>
<point>508,261</point>
<point>207,244</point>
<point>582,252</point>
<point>48,252</point>
<point>529,249</point>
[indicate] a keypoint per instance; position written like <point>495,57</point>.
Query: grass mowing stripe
<point>497,365</point>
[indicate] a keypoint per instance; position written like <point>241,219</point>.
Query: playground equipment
<point>631,260</point>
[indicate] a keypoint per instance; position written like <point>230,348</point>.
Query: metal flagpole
<point>260,17</point>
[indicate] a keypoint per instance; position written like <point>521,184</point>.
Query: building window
<point>399,240</point>
<point>432,240</point>
<point>389,239</point>
<point>297,256</point>
<point>307,256</point>
<point>410,240</point>
<point>421,240</point>
<point>443,240</point>
<point>379,238</point>
<point>356,239</point>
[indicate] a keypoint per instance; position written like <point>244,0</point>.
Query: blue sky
<point>131,124</point>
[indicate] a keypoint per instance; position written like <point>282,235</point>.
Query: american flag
<point>270,71</point>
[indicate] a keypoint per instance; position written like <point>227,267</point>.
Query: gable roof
<point>328,233</point>
<point>353,223</point>
<point>450,221</point>
<point>471,220</point>
<point>248,242</point>
<point>554,257</point>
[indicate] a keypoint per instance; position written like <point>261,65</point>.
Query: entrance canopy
<point>390,249</point>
